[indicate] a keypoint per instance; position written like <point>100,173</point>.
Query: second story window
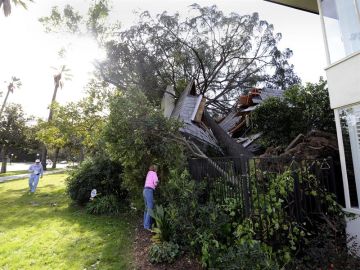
<point>342,26</point>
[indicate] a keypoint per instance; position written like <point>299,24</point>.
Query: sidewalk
<point>22,176</point>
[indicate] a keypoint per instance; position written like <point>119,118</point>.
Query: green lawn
<point>14,173</point>
<point>41,231</point>
<point>21,172</point>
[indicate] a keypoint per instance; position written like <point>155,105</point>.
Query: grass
<point>42,231</point>
<point>21,172</point>
<point>14,173</point>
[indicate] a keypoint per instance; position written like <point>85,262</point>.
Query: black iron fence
<point>261,185</point>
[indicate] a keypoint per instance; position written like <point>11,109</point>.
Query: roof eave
<point>308,6</point>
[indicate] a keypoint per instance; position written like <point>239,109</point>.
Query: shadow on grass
<point>113,234</point>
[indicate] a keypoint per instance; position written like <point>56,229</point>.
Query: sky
<point>29,53</point>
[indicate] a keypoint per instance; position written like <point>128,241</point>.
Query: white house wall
<point>344,81</point>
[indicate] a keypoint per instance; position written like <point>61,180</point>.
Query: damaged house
<point>198,126</point>
<point>238,122</point>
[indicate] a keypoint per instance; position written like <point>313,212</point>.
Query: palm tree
<point>59,76</point>
<point>14,83</point>
<point>7,5</point>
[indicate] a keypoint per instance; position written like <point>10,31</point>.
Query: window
<point>350,128</point>
<point>342,27</point>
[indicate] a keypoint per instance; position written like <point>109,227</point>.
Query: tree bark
<point>57,150</point>
<point>4,103</point>
<point>231,147</point>
<point>57,79</point>
<point>3,159</point>
<point>43,156</point>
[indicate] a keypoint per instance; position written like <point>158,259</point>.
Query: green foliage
<point>77,127</point>
<point>164,252</point>
<point>313,103</point>
<point>108,204</point>
<point>217,231</point>
<point>162,228</point>
<point>138,135</point>
<point>66,20</point>
<point>277,121</point>
<point>302,109</point>
<point>98,173</point>
<point>208,46</point>
<point>12,126</point>
<point>330,249</point>
<point>247,256</point>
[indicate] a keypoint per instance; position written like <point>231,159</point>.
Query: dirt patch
<point>141,248</point>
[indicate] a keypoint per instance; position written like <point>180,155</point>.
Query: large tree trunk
<point>4,103</point>
<point>53,100</point>
<point>231,147</point>
<point>57,150</point>
<point>3,159</point>
<point>57,79</point>
<point>43,156</point>
<point>82,155</point>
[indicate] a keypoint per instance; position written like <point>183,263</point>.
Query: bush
<point>303,108</point>
<point>107,204</point>
<point>165,252</point>
<point>247,256</point>
<point>98,173</point>
<point>162,228</point>
<point>329,249</point>
<point>137,135</point>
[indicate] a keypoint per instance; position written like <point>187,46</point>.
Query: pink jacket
<point>151,180</point>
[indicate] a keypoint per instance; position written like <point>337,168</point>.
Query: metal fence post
<point>295,176</point>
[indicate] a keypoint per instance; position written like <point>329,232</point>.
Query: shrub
<point>329,249</point>
<point>255,256</point>
<point>98,173</point>
<point>162,228</point>
<point>302,109</point>
<point>165,252</point>
<point>107,204</point>
<point>137,134</point>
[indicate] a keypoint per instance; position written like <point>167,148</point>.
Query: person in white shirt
<point>36,171</point>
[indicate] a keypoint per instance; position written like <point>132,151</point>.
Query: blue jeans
<point>33,182</point>
<point>149,204</point>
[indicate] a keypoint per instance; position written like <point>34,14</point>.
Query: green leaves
<point>137,135</point>
<point>67,20</point>
<point>165,252</point>
<point>302,109</point>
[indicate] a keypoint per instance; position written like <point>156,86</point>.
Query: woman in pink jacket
<point>149,187</point>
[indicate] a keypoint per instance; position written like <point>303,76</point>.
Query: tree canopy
<point>224,54</point>
<point>303,108</point>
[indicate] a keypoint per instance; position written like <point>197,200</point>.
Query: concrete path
<point>19,166</point>
<point>22,176</point>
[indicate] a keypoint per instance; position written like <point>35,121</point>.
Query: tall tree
<point>14,83</point>
<point>6,4</point>
<point>12,126</point>
<point>224,54</point>
<point>61,73</point>
<point>76,126</point>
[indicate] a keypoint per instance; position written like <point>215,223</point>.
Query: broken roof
<point>186,107</point>
<point>232,122</point>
